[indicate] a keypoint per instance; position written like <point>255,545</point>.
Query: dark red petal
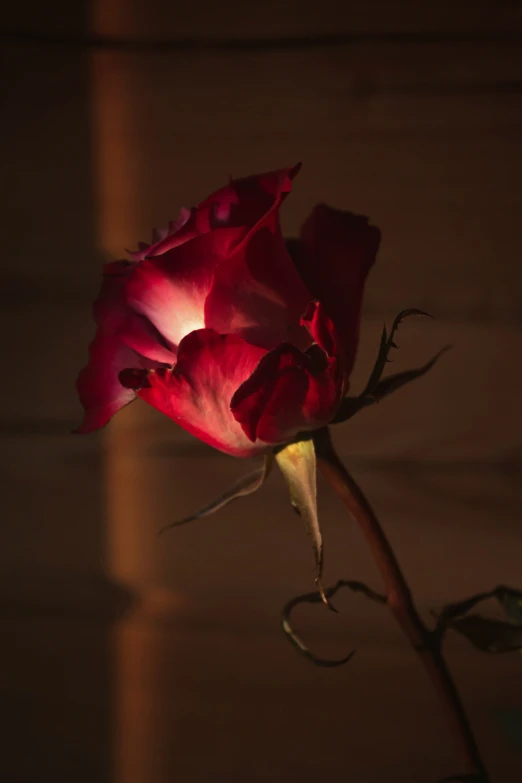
<point>288,393</point>
<point>258,197</point>
<point>336,252</point>
<point>243,203</point>
<point>197,393</point>
<point>115,316</point>
<point>111,308</point>
<point>98,384</point>
<point>134,379</point>
<point>178,231</point>
<point>138,333</point>
<point>274,392</point>
<point>321,327</point>
<point>258,294</point>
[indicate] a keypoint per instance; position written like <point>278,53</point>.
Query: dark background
<point>132,659</point>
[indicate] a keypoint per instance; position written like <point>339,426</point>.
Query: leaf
<point>511,600</point>
<point>489,635</point>
<point>297,463</point>
<point>394,382</point>
<point>385,347</point>
<point>473,777</point>
<point>378,367</point>
<point>245,486</point>
<point>312,598</point>
<point>510,720</point>
<point>452,611</point>
<point>352,405</point>
<point>377,388</point>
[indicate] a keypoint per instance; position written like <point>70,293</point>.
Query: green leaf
<point>245,486</point>
<point>298,465</point>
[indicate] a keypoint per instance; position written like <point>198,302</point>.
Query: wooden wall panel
<point>236,19</point>
<point>416,121</point>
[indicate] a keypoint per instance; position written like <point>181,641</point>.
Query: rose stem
<point>426,643</point>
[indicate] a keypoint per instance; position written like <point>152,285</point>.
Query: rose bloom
<point>242,338</point>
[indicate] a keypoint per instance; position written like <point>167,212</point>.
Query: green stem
<point>399,599</point>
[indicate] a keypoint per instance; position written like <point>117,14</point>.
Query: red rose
<point>244,340</point>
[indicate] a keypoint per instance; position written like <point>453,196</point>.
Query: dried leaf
<point>297,463</point>
<point>245,486</point>
<point>312,598</point>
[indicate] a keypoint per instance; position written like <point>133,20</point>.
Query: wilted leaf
<point>245,486</point>
<point>489,635</point>
<point>313,598</point>
<point>297,463</point>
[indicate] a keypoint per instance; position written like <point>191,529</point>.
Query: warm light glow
<point>129,479</point>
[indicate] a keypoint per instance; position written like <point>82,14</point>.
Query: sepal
<point>245,486</point>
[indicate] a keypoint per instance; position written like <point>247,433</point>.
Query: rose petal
<point>240,204</point>
<point>177,232</point>
<point>138,333</point>
<point>98,385</point>
<point>170,290</point>
<point>197,392</point>
<point>252,199</point>
<point>321,328</point>
<point>115,316</point>
<point>336,252</point>
<point>289,392</point>
<point>111,307</point>
<point>258,294</point>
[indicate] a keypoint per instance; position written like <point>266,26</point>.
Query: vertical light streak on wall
<point>128,544</point>
<point>128,471</point>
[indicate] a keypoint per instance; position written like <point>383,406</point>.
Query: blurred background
<point>129,658</point>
